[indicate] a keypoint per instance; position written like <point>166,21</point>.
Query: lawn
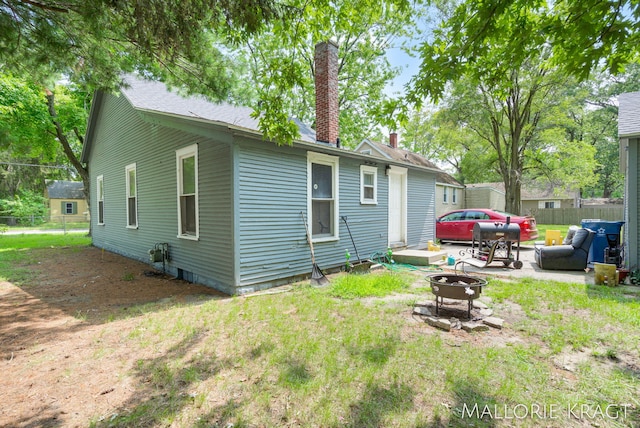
<point>352,354</point>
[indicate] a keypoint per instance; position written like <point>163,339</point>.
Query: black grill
<point>495,231</point>
<point>496,242</point>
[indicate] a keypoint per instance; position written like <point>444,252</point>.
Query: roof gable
<point>61,189</point>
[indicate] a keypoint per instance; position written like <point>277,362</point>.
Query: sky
<point>409,68</point>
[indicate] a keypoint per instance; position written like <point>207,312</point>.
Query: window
<point>445,194</point>
<point>132,200</point>
<point>456,216</point>
<point>548,204</point>
<point>187,169</point>
<point>368,185</point>
<point>454,196</point>
<point>476,215</point>
<point>100,190</point>
<point>69,208</point>
<point>322,173</point>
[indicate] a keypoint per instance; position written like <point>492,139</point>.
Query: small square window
<point>368,185</point>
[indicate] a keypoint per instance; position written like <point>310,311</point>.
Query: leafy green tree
<point>26,207</point>
<point>34,139</point>
<point>508,89</point>
<point>581,36</point>
<point>283,63</point>
<point>93,42</point>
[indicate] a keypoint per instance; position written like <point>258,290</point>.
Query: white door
<point>397,207</point>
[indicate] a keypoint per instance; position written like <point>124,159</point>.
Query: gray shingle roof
<point>154,96</point>
<point>629,114</point>
<point>60,189</point>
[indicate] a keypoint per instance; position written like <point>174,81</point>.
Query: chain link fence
<point>44,223</point>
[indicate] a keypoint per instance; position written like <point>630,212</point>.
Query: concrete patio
<point>529,266</point>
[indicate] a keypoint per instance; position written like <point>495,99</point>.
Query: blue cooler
<point>607,235</point>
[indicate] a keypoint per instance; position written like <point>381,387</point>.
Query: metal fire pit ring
<point>457,287</point>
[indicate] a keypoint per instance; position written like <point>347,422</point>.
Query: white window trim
<point>100,184</point>
<point>370,170</point>
<point>127,169</point>
<point>181,154</point>
<point>332,161</point>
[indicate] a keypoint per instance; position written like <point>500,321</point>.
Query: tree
<point>95,42</point>
<point>599,127</point>
<point>33,133</point>
<point>519,130</point>
<point>282,63</point>
<point>482,44</point>
<point>582,37</point>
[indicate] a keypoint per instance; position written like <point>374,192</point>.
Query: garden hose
<point>382,258</point>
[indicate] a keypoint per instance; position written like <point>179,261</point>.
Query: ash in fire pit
<point>457,287</point>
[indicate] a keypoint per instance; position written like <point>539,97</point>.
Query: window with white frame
<point>454,195</point>
<point>100,198</point>
<point>322,193</point>
<point>445,194</point>
<point>132,199</point>
<point>187,169</point>
<point>368,184</point>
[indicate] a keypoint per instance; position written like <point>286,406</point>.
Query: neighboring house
<point>629,135</point>
<point>199,177</point>
<point>532,197</point>
<point>485,195</point>
<point>449,192</point>
<point>535,197</point>
<point>66,201</point>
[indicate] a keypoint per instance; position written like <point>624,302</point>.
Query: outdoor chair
<point>571,256</point>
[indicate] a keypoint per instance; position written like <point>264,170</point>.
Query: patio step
<point>419,257</point>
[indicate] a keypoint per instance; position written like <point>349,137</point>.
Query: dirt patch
<point>52,326</point>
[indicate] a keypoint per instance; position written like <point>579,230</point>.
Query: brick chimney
<point>326,64</point>
<point>393,140</point>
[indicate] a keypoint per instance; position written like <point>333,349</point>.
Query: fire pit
<point>458,287</point>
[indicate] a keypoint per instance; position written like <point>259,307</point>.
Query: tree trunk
<point>66,147</point>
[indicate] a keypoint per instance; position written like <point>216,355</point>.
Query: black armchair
<point>566,257</point>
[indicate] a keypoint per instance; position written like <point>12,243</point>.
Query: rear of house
<point>198,179</point>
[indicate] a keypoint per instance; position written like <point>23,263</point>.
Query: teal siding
<point>421,216</point>
<point>368,223</point>
<point>272,193</point>
<point>124,136</point>
<point>251,195</point>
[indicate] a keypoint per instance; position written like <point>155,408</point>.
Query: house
<point>196,183</point>
<point>537,196</point>
<point>66,201</point>
<point>533,197</point>
<point>629,136</point>
<point>449,192</point>
<point>485,195</point>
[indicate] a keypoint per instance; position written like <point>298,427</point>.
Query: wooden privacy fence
<point>576,215</point>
